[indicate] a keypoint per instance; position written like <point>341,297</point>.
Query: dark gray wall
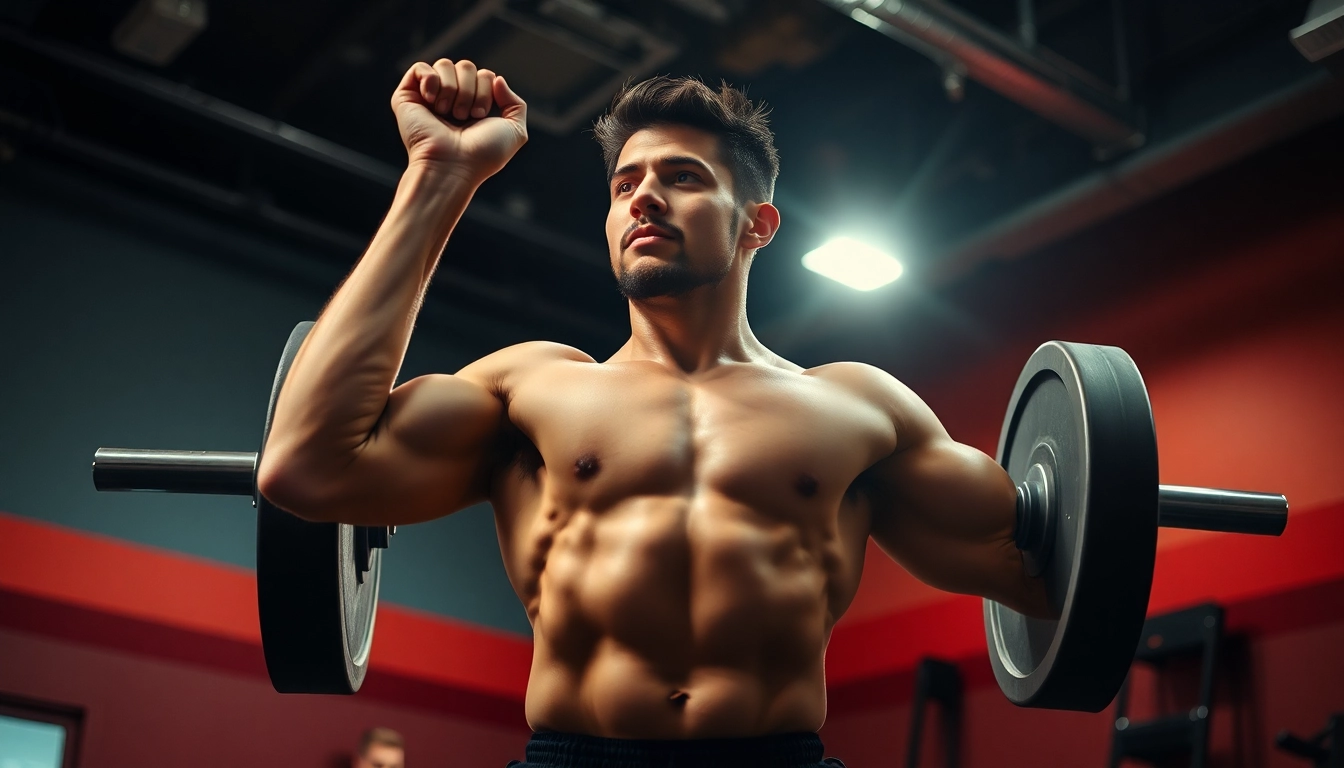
<point>126,320</point>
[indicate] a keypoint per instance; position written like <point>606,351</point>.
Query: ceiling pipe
<point>294,140</point>
<point>1157,170</point>
<point>1042,82</point>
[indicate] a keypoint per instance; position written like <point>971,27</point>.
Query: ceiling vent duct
<point>156,31</point>
<point>1321,37</point>
<point>566,57</point>
<point>1020,70</point>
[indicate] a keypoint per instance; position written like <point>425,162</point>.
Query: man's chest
<point>760,437</point>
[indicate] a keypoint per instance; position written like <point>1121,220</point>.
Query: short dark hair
<point>742,127</point>
<point>385,736</point>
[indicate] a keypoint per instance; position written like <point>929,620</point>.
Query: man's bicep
<point>454,417</point>
<point>945,511</point>
<point>439,435</point>
<point>440,417</point>
<point>429,454</point>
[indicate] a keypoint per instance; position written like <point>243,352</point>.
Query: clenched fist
<point>444,113</point>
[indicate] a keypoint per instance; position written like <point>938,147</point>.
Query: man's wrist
<point>444,174</point>
<point>434,193</point>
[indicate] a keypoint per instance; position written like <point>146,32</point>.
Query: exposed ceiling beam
<point>186,100</point>
<point>1038,80</point>
<point>1156,170</point>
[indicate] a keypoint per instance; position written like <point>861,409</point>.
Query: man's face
<point>673,224</point>
<point>382,756</point>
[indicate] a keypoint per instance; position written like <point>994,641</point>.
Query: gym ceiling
<point>965,137</point>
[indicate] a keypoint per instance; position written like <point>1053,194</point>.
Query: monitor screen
<point>31,744</point>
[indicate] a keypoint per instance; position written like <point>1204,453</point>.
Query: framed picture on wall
<point>39,734</point>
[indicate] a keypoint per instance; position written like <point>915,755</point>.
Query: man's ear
<point>764,224</point>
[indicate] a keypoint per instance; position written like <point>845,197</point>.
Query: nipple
<point>806,486</point>
<point>586,466</point>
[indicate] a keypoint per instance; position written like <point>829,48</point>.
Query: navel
<point>586,466</point>
<point>806,486</point>
<point>679,697</point>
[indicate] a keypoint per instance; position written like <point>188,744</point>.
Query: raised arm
<point>946,511</point>
<point>343,444</point>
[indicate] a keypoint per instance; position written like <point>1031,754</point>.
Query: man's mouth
<point>646,234</point>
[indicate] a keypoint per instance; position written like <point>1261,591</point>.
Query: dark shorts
<point>569,750</point>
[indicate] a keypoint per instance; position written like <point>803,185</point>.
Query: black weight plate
<point>317,613</point>
<point>1084,409</point>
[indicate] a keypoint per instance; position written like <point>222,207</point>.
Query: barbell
<point>317,583</point>
<point>1078,441</point>
<point>1080,444</point>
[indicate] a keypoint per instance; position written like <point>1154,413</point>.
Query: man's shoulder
<point>501,368</point>
<point>534,352</point>
<point>860,377</point>
<point>872,385</point>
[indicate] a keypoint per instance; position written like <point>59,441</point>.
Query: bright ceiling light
<point>858,265</point>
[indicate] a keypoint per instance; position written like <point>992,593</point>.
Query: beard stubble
<point>675,276</point>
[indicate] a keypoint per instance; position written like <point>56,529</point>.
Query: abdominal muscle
<point>675,618</point>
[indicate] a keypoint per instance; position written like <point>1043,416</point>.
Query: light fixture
<point>566,57</point>
<point>858,265</point>
<point>156,31</point>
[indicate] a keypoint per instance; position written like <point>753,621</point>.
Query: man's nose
<point>646,200</point>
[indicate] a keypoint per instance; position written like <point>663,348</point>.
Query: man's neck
<point>694,332</point>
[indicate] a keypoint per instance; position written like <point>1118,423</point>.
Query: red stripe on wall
<point>96,588</point>
<point>142,638</point>
<point>113,576</point>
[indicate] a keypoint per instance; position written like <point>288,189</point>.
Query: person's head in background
<point>381,748</point>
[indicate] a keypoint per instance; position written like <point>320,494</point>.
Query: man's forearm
<point>338,386</point>
<point>375,306</point>
<point>1024,594</point>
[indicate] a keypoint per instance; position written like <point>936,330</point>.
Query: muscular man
<point>684,521</point>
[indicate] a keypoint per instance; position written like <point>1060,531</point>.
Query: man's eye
<point>624,186</point>
<point>685,176</point>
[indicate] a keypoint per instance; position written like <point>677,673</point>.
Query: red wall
<point>1240,336</point>
<point>142,711</point>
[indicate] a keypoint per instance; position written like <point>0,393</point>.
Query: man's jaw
<point>663,281</point>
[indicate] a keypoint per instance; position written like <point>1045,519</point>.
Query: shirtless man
<point>685,521</point>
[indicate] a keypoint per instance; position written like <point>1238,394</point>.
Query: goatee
<point>666,279</point>
<point>673,277</point>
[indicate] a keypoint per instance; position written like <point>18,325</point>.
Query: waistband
<point>571,750</point>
